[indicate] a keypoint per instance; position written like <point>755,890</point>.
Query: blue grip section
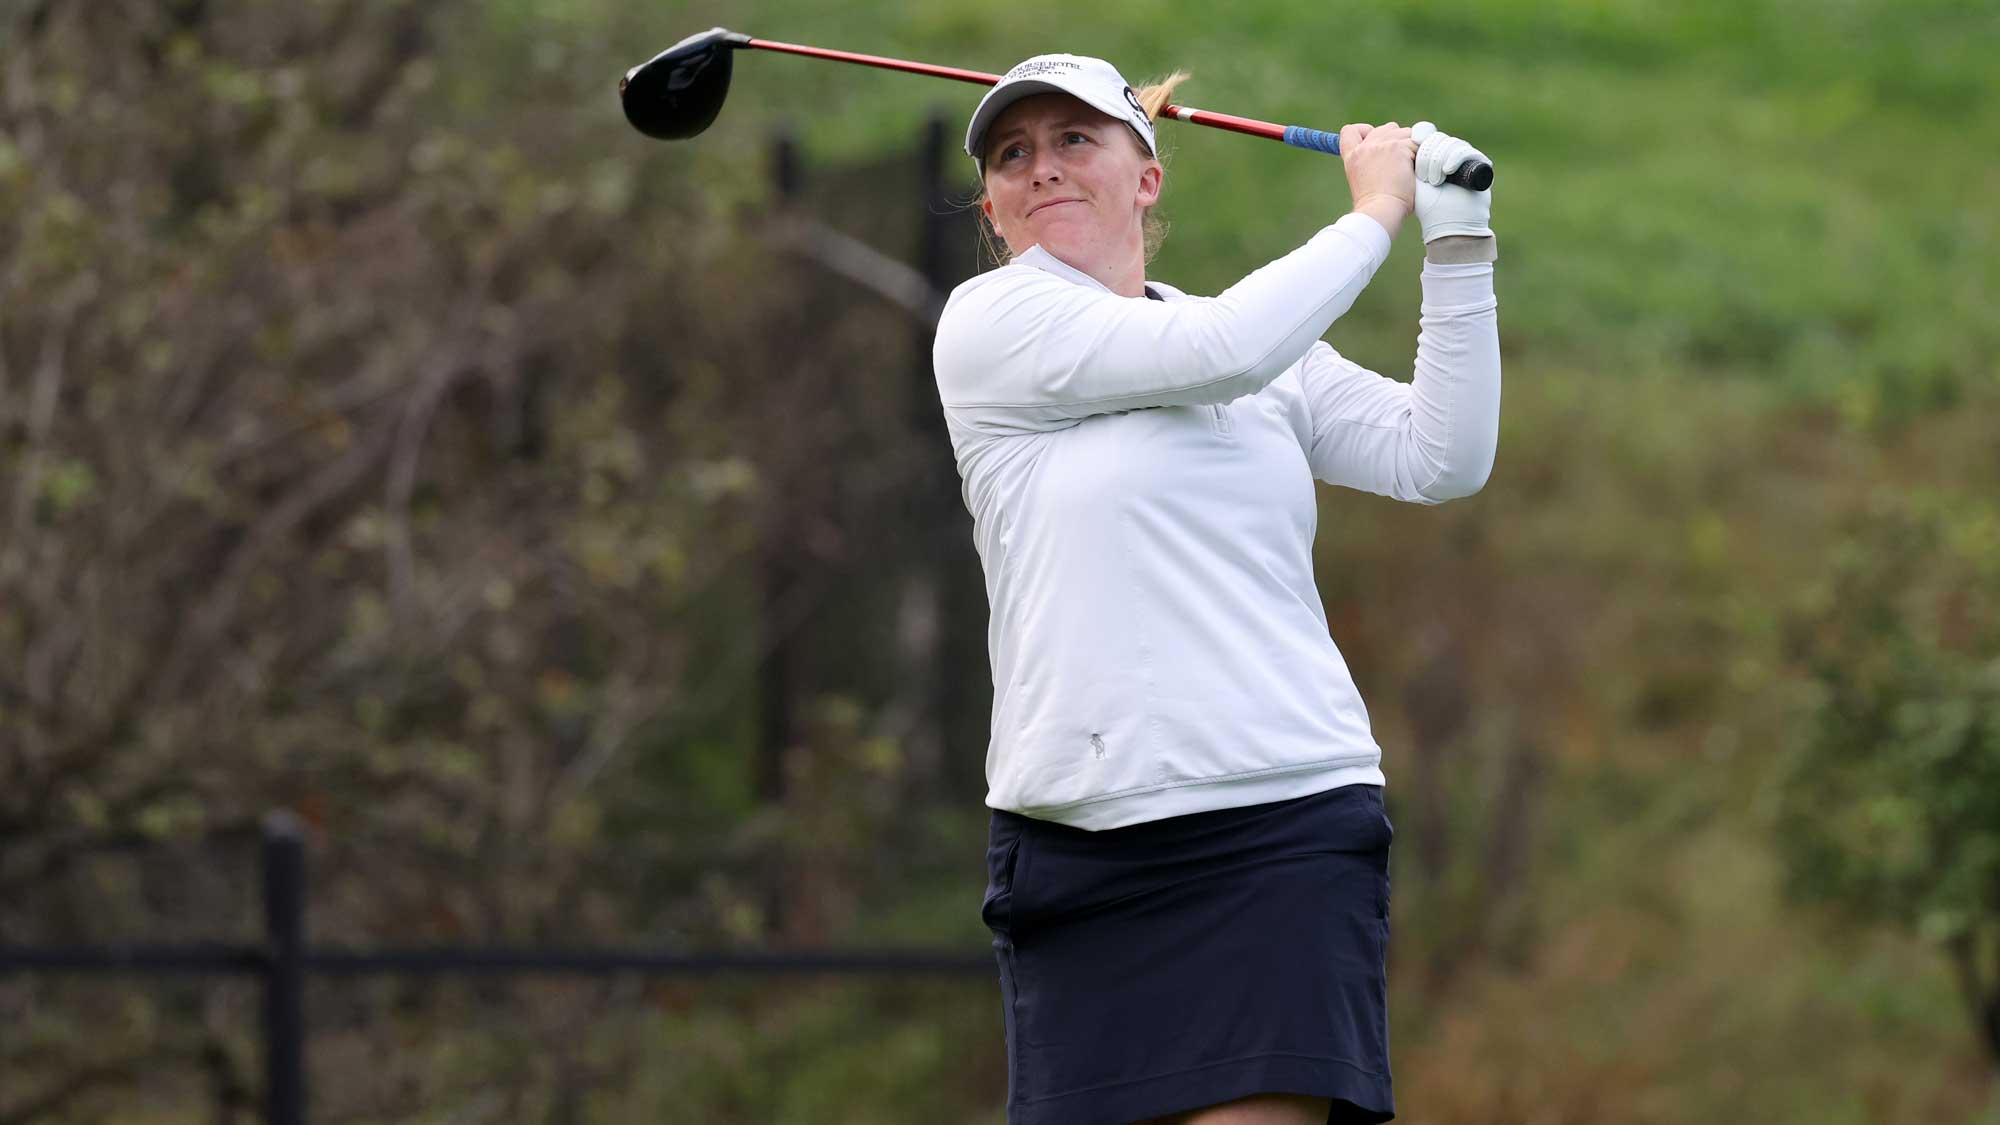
<point>1298,136</point>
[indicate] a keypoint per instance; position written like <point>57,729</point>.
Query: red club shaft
<point>1227,121</point>
<point>1210,118</point>
<point>980,77</point>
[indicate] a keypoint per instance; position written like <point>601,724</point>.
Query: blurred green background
<point>389,433</point>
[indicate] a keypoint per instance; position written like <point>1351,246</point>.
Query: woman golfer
<point>1188,860</point>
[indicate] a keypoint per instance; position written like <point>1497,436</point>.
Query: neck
<point>1127,279</point>
<point>1123,272</point>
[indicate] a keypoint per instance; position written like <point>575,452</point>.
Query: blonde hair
<point>1153,97</point>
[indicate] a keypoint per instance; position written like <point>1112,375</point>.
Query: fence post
<point>933,493</point>
<point>788,173</point>
<point>285,964</point>
<point>958,719</point>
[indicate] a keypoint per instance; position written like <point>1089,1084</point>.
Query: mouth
<point>1052,203</point>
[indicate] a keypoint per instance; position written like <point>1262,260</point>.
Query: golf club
<point>678,93</point>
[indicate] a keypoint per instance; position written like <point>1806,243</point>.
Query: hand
<point>1381,171</point>
<point>1446,209</point>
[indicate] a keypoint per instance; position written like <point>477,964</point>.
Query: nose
<point>1045,168</point>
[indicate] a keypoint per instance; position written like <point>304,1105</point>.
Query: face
<point>1075,180</point>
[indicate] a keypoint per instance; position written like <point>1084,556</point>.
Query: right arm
<point>1022,350</point>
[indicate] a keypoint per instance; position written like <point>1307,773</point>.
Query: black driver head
<point>677,93</point>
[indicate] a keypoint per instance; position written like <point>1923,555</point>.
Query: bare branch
<point>200,627</point>
<point>410,431</point>
<point>50,371</point>
<point>895,281</point>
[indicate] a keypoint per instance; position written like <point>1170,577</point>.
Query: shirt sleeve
<point>1428,440</point>
<point>1020,350</point>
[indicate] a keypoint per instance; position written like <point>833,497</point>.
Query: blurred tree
<point>387,431</point>
<point>1890,805</point>
<point>368,447</point>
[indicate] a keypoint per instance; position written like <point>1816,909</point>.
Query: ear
<point>1151,178</point>
<point>986,208</point>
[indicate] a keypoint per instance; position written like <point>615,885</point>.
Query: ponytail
<point>1154,96</point>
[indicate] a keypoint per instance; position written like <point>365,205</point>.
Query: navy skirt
<point>1180,963</point>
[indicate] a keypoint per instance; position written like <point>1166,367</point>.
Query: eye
<point>1007,153</point>
<point>1077,135</point>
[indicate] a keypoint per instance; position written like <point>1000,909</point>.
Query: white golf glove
<point>1446,209</point>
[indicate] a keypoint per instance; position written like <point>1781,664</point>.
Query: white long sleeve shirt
<point>1140,473</point>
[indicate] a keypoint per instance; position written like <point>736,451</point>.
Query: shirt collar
<point>1042,260</point>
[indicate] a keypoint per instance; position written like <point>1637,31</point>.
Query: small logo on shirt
<point>1097,744</point>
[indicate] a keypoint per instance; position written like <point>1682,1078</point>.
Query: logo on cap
<point>1041,66</point>
<point>1132,100</point>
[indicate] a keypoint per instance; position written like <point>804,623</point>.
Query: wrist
<point>1453,249</point>
<point>1384,209</point>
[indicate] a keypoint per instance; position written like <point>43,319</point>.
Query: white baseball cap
<point>1093,81</point>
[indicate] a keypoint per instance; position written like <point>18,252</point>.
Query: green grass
<point>1776,191</point>
<point>1747,258</point>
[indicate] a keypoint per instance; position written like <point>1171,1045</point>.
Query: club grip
<point>1298,136</point>
<point>1474,175</point>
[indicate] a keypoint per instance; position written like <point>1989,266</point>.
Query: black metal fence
<point>283,960</point>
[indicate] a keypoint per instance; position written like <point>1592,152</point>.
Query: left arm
<point>1432,439</point>
<point>1428,440</point>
